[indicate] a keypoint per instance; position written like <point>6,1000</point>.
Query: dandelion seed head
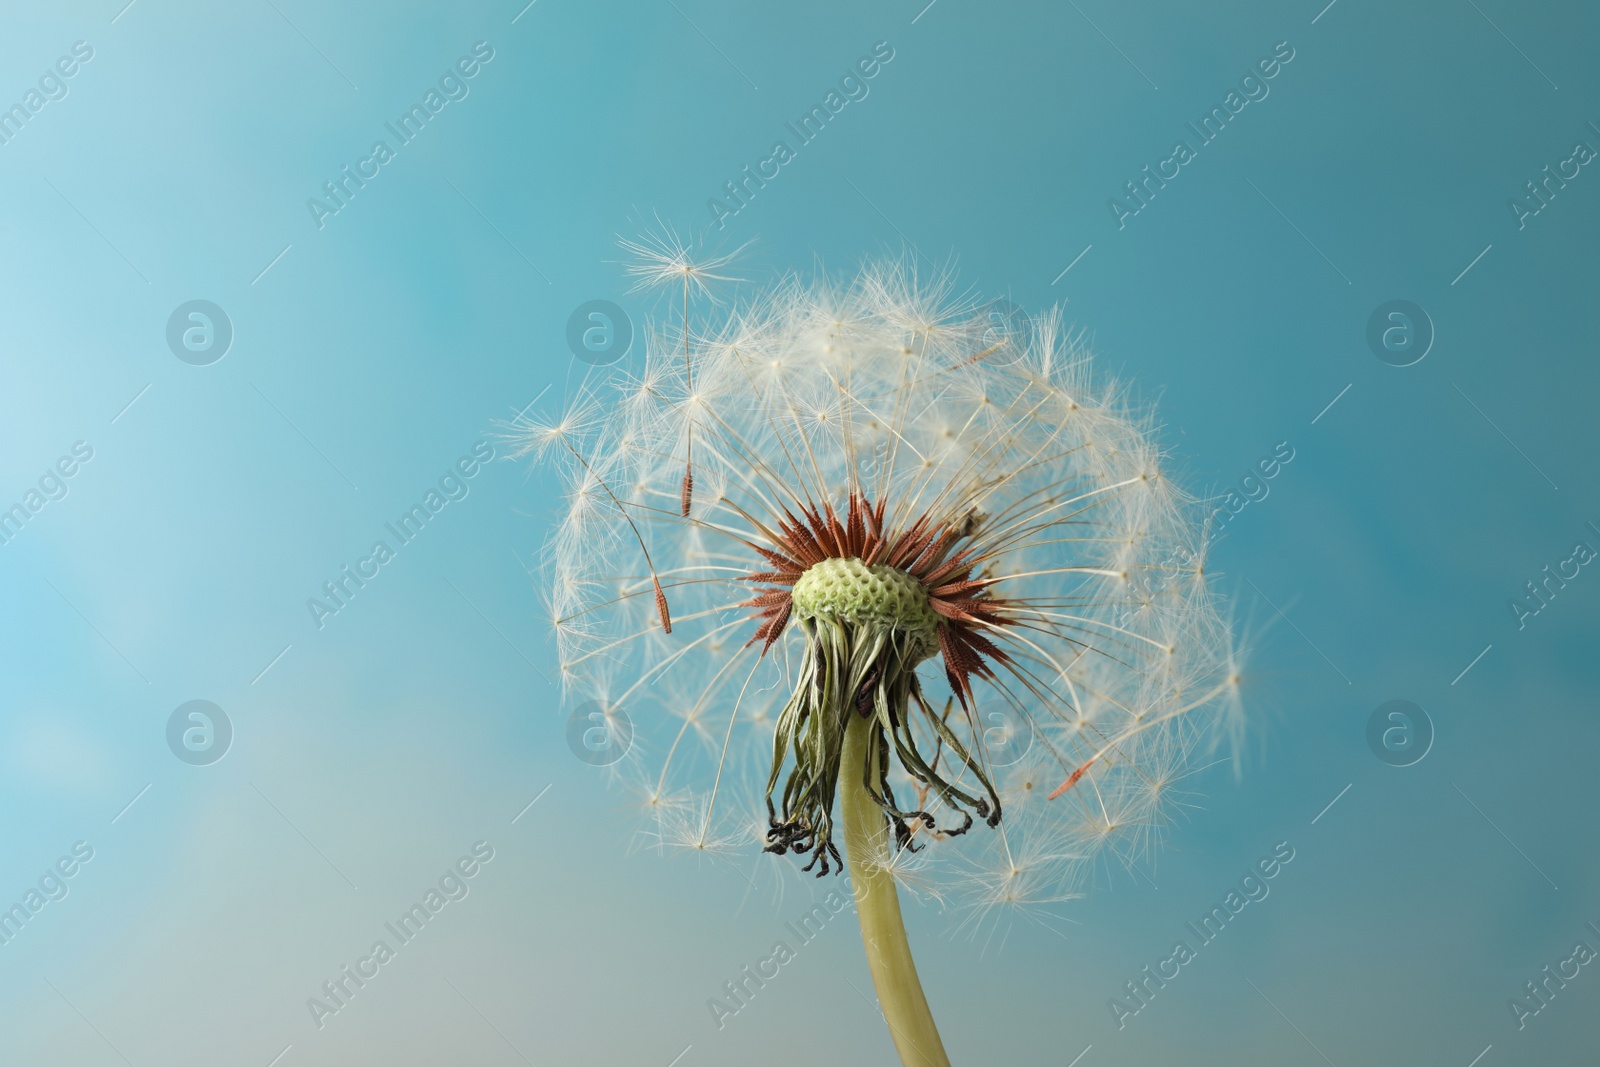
<point>1028,547</point>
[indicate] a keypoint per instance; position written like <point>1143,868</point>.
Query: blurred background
<point>184,477</point>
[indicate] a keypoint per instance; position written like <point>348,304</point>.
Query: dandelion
<point>845,522</point>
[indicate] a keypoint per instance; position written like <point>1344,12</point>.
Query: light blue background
<point>378,349</point>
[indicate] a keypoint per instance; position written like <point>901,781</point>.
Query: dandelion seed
<point>662,257</point>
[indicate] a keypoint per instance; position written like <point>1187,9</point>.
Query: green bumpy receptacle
<point>849,590</point>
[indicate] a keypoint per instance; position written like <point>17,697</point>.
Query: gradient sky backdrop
<point>375,351</point>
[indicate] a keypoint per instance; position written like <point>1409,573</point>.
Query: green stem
<point>883,934</point>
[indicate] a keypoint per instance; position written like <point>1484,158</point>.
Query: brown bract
<point>926,550</point>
